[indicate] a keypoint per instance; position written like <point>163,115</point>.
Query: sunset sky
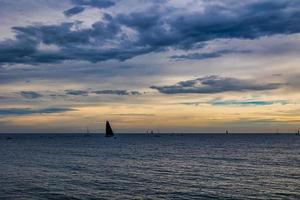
<point>168,66</point>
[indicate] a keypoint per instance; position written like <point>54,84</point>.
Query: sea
<point>141,166</point>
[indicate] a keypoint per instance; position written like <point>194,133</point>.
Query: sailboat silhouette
<point>108,130</point>
<point>87,134</point>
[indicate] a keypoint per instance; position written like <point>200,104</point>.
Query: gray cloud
<point>111,92</point>
<point>29,111</point>
<point>202,56</point>
<point>94,3</point>
<point>247,102</point>
<point>73,11</point>
<point>215,84</point>
<point>30,94</point>
<point>117,92</point>
<point>155,30</point>
<point>219,102</point>
<point>77,92</point>
<point>80,6</point>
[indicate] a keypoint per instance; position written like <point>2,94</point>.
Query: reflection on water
<point>194,166</point>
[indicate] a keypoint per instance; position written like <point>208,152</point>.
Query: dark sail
<point>109,131</point>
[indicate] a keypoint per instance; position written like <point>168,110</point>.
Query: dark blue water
<point>194,166</point>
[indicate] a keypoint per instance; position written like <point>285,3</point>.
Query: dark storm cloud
<point>77,92</point>
<point>17,51</point>
<point>73,11</point>
<point>154,30</point>
<point>29,111</point>
<point>60,35</point>
<point>30,94</point>
<point>70,44</point>
<point>215,84</point>
<point>117,92</point>
<point>202,56</point>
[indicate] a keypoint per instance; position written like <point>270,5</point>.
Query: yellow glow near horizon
<point>164,117</point>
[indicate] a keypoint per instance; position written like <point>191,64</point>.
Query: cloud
<point>193,103</point>
<point>133,114</point>
<point>81,4</point>
<point>30,94</point>
<point>218,102</point>
<point>111,92</point>
<point>246,102</point>
<point>83,44</point>
<point>125,35</point>
<point>215,84</point>
<point>94,3</point>
<point>77,92</point>
<point>73,11</point>
<point>202,56</point>
<point>29,111</point>
<point>117,92</point>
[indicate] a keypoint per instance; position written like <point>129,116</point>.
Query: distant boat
<point>227,132</point>
<point>8,138</point>
<point>108,131</point>
<point>87,134</point>
<point>154,135</point>
<point>298,133</point>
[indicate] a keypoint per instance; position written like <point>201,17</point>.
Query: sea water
<point>140,166</point>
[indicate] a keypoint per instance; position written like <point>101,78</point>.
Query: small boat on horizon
<point>227,132</point>
<point>108,130</point>
<point>298,133</point>
<point>154,134</point>
<point>87,134</point>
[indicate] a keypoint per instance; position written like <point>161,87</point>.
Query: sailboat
<point>108,131</point>
<point>87,134</point>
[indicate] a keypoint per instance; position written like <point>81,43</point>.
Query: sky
<point>170,66</point>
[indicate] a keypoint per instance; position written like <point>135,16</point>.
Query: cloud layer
<point>123,36</point>
<point>29,111</point>
<point>30,94</point>
<point>202,56</point>
<point>246,102</point>
<point>77,92</point>
<point>110,92</point>
<point>117,92</point>
<point>80,6</point>
<point>215,84</point>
